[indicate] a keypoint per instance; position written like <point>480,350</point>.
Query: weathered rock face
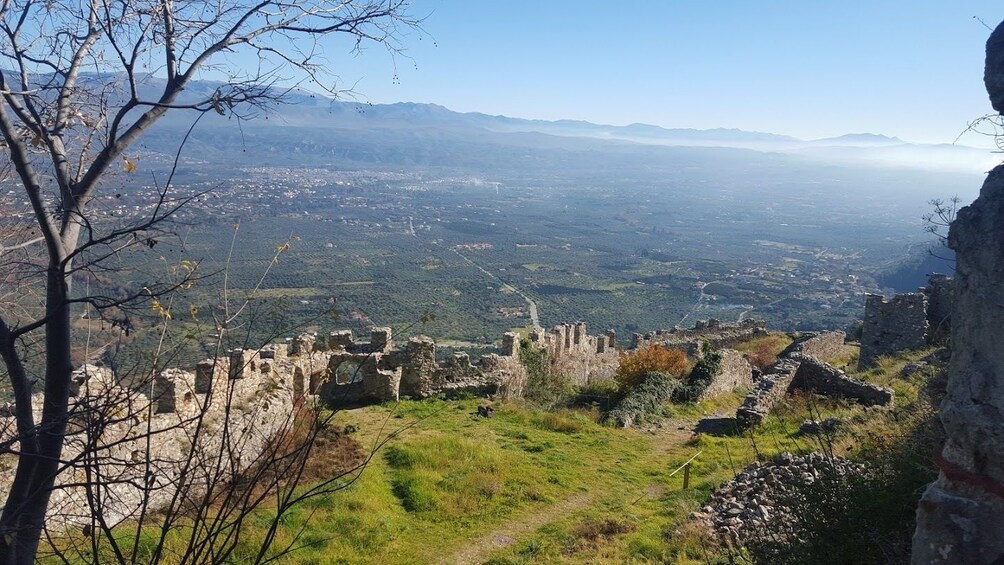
<point>961,515</point>
<point>993,73</point>
<point>960,518</point>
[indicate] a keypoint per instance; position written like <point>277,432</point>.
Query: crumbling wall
<point>803,372</point>
<point>768,390</point>
<point>382,372</point>
<point>237,403</point>
<point>575,354</point>
<point>734,372</point>
<point>959,519</point>
<point>714,333</point>
<point>892,325</point>
<point>821,345</point>
<point>940,292</point>
<point>816,376</point>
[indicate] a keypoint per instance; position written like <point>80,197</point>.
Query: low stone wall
<point>816,376</point>
<point>767,392</point>
<point>822,345</point>
<point>716,334</point>
<point>804,372</point>
<point>734,372</point>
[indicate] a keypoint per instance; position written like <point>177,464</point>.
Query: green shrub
<point>601,394</point>
<point>634,365</point>
<point>699,378</point>
<point>645,401</point>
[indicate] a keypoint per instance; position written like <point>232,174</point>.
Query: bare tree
<point>80,83</point>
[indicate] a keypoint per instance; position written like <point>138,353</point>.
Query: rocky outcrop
<point>959,519</point>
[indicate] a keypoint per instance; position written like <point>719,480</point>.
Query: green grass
<point>592,493</point>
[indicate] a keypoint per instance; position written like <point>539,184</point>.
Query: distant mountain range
<point>318,118</point>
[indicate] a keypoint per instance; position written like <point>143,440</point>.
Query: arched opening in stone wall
<point>348,372</point>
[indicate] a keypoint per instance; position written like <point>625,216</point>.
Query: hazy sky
<point>910,68</point>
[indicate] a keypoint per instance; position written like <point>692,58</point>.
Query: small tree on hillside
<point>76,89</point>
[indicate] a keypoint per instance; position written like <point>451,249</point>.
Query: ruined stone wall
<point>940,292</point>
<point>237,404</point>
<point>346,372</point>
<point>821,345</point>
<point>803,372</point>
<point>959,518</point>
<point>768,390</point>
<point>819,377</point>
<point>575,354</point>
<point>892,325</point>
<point>734,372</point>
<point>713,332</point>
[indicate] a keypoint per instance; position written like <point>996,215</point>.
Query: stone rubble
<point>759,499</point>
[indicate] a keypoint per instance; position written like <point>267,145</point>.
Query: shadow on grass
<point>719,427</point>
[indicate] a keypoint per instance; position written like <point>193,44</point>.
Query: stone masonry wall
<point>892,325</point>
<point>573,353</point>
<point>767,392</point>
<point>238,404</point>
<point>734,372</point>
<point>940,292</point>
<point>816,376</point>
<point>713,332</point>
<point>822,345</point>
<point>346,372</point>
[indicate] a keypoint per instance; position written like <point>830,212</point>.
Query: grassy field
<point>558,487</point>
<point>534,486</point>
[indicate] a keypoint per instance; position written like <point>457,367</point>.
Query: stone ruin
<point>960,518</point>
<point>574,353</point>
<point>238,405</point>
<point>907,321</point>
<point>342,371</point>
<point>734,372</point>
<point>711,333</point>
<point>798,368</point>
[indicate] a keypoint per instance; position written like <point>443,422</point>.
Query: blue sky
<point>804,68</point>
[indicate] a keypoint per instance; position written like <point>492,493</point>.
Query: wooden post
<point>686,476</point>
